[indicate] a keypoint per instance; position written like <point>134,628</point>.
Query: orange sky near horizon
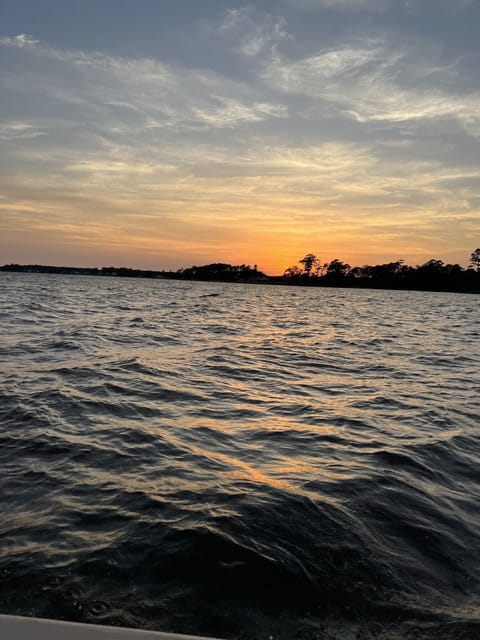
<point>209,223</point>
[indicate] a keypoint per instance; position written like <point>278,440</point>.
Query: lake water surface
<point>243,461</point>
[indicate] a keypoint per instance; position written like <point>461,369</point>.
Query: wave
<point>291,464</point>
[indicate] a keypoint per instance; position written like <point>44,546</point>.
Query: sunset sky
<point>167,133</point>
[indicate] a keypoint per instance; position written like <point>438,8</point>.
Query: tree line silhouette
<point>433,275</point>
<point>218,271</point>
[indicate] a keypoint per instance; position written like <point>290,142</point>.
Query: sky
<point>167,133</point>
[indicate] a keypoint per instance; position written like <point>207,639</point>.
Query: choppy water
<point>240,460</point>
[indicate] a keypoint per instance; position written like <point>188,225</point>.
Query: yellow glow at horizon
<point>333,200</point>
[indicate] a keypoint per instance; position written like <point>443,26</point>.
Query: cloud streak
<point>366,83</point>
<point>340,5</point>
<point>252,36</point>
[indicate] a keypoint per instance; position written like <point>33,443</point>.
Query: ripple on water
<point>240,461</point>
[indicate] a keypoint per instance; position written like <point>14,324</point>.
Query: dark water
<point>241,461</point>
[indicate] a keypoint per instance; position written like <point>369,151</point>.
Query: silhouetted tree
<point>308,262</point>
<point>292,272</point>
<point>453,270</point>
<point>431,267</point>
<point>358,272</point>
<point>475,259</point>
<point>318,268</point>
<point>337,268</point>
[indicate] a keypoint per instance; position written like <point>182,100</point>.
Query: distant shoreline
<point>467,281</point>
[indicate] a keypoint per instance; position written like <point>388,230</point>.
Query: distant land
<point>433,275</point>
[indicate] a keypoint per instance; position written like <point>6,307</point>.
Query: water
<point>243,461</point>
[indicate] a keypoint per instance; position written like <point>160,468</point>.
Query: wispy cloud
<point>19,41</point>
<point>342,5</point>
<point>377,82</point>
<point>144,92</point>
<point>254,34</point>
<point>19,130</point>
